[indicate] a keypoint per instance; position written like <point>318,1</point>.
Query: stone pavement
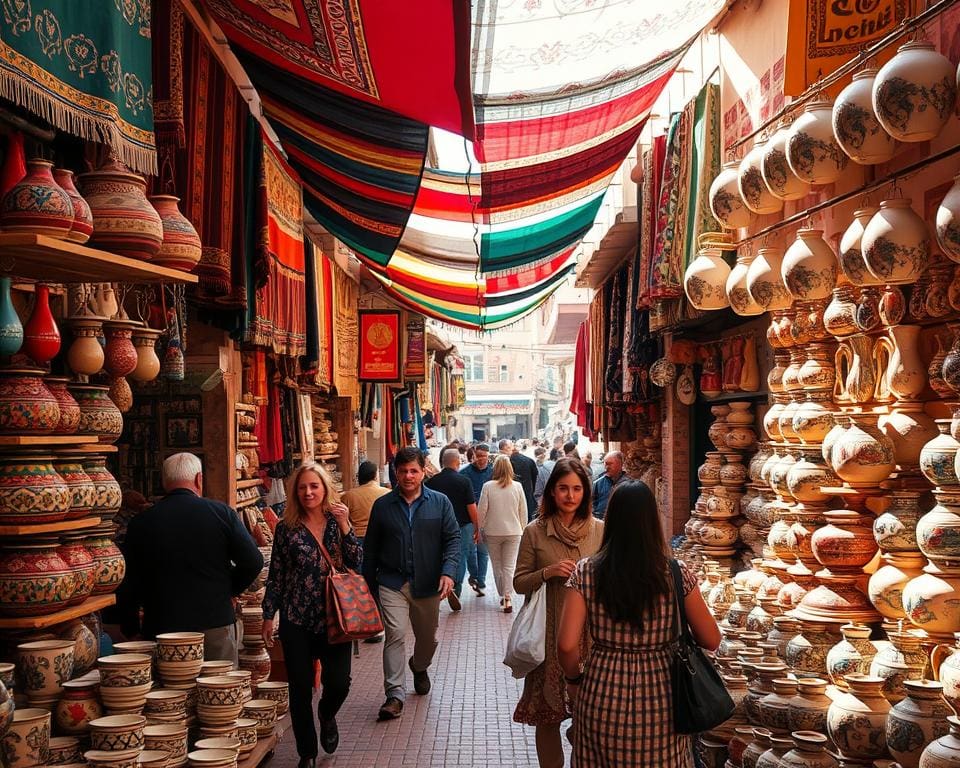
<point>466,719</point>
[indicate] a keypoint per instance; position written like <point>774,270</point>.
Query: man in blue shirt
<point>410,557</point>
<point>604,485</point>
<point>479,472</point>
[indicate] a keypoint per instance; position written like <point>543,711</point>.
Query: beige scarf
<point>573,535</point>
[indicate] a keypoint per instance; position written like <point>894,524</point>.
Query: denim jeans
<point>473,557</point>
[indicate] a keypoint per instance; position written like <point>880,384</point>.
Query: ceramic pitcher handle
<point>938,654</point>
<point>883,348</point>
<point>841,361</point>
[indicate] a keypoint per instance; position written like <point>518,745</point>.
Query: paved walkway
<point>467,718</point>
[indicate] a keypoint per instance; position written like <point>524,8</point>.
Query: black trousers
<point>300,648</point>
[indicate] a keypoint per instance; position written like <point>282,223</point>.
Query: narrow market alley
<point>466,720</point>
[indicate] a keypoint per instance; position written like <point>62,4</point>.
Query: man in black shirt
<point>187,557</point>
<point>524,472</point>
<point>458,489</point>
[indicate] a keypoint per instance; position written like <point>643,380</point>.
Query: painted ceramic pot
<point>948,222</point>
<point>808,475</point>
<point>914,93</point>
<point>818,371</point>
<point>809,751</point>
<point>777,174</point>
<point>845,542</point>
<point>65,750</point>
<point>809,267</point>
<point>77,706</point>
<point>841,423</point>
<point>86,645</point>
<point>705,280</point>
<point>37,204</point>
<point>124,222</point>
<point>79,559</point>
<point>932,600</point>
<point>909,428</point>
<point>255,659</point>
<point>812,150</point>
<point>110,566</point>
<point>69,408</point>
<point>807,651</point>
<point>120,356</point>
<point>938,531</point>
<point>179,656</point>
<point>840,316</point>
<point>753,190</point>
<point>709,472</point>
<point>896,243</point>
<point>125,680</point>
<point>937,457</point>
<point>82,216</point>
<point>117,732</point>
<point>945,751</point>
<point>85,355</point>
<point>718,429</point>
<point>34,579</point>
<point>733,473</point>
<point>896,529</point>
<point>31,491</point>
<point>727,205</point>
<point>739,297</point>
<point>862,454</point>
<point>44,666</point>
<point>901,660</point>
<point>851,255</point>
<point>27,742</point>
<point>808,709</point>
<point>27,407</point>
<point>11,329</point>
<point>83,494</point>
<point>856,720</point>
<point>170,738</point>
<point>181,247</point>
<point>757,747</point>
<point>98,414</point>
<point>945,666</point>
<point>855,124</point>
<point>852,655</point>
<point>41,336</point>
<point>148,363</point>
<point>951,361</point>
<point>774,706</point>
<point>108,495</point>
<point>916,721</point>
<point>885,588</point>
<point>764,281</point>
<point>120,394</point>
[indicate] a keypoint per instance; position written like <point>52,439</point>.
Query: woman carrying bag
<point>297,590</point>
<point>624,597</point>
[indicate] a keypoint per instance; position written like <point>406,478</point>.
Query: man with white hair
<point>187,558</point>
<point>604,485</point>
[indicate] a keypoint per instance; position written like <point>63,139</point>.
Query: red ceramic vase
<point>34,579</point>
<point>37,204</point>
<point>27,407</point>
<point>41,337</point>
<point>69,408</point>
<point>120,356</point>
<point>181,248</point>
<point>81,562</point>
<point>31,491</point>
<point>82,215</point>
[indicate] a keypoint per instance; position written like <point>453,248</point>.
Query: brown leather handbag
<point>352,613</point>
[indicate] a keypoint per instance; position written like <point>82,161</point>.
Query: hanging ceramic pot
<point>851,255</point>
<point>812,150</point>
<point>765,283</point>
<point>739,297</point>
<point>181,248</point>
<point>855,125</point>
<point>85,356</point>
<point>753,190</point>
<point>120,356</point>
<point>809,266</point>
<point>41,337</point>
<point>124,222</point>
<point>148,363</point>
<point>914,93</point>
<point>726,203</point>
<point>82,216</point>
<point>705,280</point>
<point>777,174</point>
<point>11,330</point>
<point>948,221</point>
<point>896,243</point>
<point>37,205</point>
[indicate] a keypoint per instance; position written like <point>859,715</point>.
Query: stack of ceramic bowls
<point>124,682</point>
<point>153,758</point>
<point>219,700</point>
<point>97,758</point>
<point>244,676</point>
<point>215,667</point>
<point>64,750</point>
<point>170,738</point>
<point>27,741</point>
<point>247,733</point>
<point>212,758</point>
<point>278,691</point>
<point>165,706</point>
<point>264,711</point>
<point>179,657</point>
<point>146,647</point>
<point>117,733</point>
<point>231,745</point>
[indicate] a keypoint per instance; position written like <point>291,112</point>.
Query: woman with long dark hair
<point>564,532</point>
<point>624,596</point>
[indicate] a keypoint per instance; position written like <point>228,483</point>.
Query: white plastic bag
<point>526,644</point>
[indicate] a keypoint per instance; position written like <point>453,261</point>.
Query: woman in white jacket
<point>502,515</point>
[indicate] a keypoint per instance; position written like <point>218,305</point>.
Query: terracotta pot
<point>916,721</point>
<point>120,354</point>
<point>77,706</point>
<point>124,222</point>
<point>852,655</point>
<point>807,710</point>
<point>726,204</point>
<point>82,226</point>
<point>945,751</point>
<point>81,563</point>
<point>808,475</point>
<point>753,190</point>
<point>909,428</point>
<point>855,124</point>
<point>148,362</point>
<point>108,495</point>
<point>897,662</point>
<point>121,394</point>
<point>809,267</point>
<point>862,454</point>
<point>840,316</point>
<point>856,720</point>
<point>37,204</point>
<point>812,150</point>
<point>845,542</point>
<point>27,407</point>
<point>31,491</point>
<point>756,748</point>
<point>777,174</point>
<point>764,281</point>
<point>807,651</point>
<point>885,587</point>
<point>705,280</point>
<point>718,429</point>
<point>709,472</point>
<point>83,494</point>
<point>935,369</point>
<point>85,356</point>
<point>896,529</point>
<point>818,371</point>
<point>938,455</point>
<point>98,415</point>
<point>69,409</point>
<point>893,305</point>
<point>181,247</point>
<point>27,742</point>
<point>914,93</point>
<point>739,298</point>
<point>948,222</point>
<point>34,579</point>
<point>868,308</point>
<point>110,565</point>
<point>733,473</point>
<point>896,243</point>
<point>255,659</point>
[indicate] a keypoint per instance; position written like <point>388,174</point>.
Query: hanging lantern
<point>855,124</point>
<point>725,201</point>
<point>914,93</point>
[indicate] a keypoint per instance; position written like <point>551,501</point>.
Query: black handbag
<point>700,699</point>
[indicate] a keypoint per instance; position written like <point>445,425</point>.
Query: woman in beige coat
<point>503,514</point>
<point>564,532</point>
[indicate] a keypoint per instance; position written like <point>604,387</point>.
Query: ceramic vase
<point>851,254</point>
<point>808,709</point>
<point>110,566</point>
<point>148,363</point>
<point>98,414</point>
<point>82,216</point>
<point>812,150</point>
<point>37,205</point>
<point>937,457</point>
<point>27,742</point>
<point>69,408</point>
<point>86,646</point>
<point>11,329</point>
<point>726,203</point>
<point>932,600</point>
<point>945,663</point>
<point>85,356</point>
<point>840,316</point>
<point>83,495</point>
<point>809,751</point>
<point>951,360</point>
<point>852,655</point>
<point>738,296</point>
<point>27,407</point>
<point>41,337</point>
<point>856,720</point>
<point>945,751</point>
<point>77,707</point>
<point>809,267</point>
<point>181,247</point>
<point>948,222</point>
<point>902,659</point>
<point>855,125</point>
<point>807,651</point>
<point>895,530</point>
<point>909,428</point>
<point>705,280</point>
<point>777,174</point>
<point>108,495</point>
<point>896,243</point>
<point>753,190</point>
<point>34,579</point>
<point>916,721</point>
<point>31,491</point>
<point>862,454</point>
<point>765,283</point>
<point>938,531</point>
<point>124,222</point>
<point>120,356</point>
<point>885,588</point>
<point>914,93</point>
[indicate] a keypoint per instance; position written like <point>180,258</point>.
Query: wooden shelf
<point>248,444</point>
<point>58,261</point>
<point>327,456</point>
<point>249,483</point>
<point>726,397</point>
<point>89,605</point>
<point>19,441</point>
<point>62,525</point>
<point>248,502</point>
<point>264,747</point>
<point>245,407</point>
<point>96,448</point>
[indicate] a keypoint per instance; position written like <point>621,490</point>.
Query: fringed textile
<point>704,166</point>
<point>653,167</point>
<point>346,335</point>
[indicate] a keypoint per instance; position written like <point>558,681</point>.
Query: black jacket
<point>186,557</point>
<point>526,472</point>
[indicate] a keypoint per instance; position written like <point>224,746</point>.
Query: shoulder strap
<point>681,628</point>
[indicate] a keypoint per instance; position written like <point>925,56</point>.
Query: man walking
<point>544,468</point>
<point>360,500</point>
<point>478,472</point>
<point>410,557</point>
<point>525,473</point>
<point>187,557</point>
<point>604,485</point>
<point>457,488</point>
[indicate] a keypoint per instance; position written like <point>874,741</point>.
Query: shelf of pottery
<point>247,476</point>
<point>326,445</point>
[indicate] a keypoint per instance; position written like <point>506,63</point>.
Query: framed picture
<point>380,334</point>
<point>184,432</point>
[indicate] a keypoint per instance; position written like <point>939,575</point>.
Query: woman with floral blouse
<point>296,589</point>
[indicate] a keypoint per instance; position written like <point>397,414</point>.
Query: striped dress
<point>623,717</point>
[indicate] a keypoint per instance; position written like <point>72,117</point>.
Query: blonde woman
<point>503,514</point>
<point>296,589</point>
